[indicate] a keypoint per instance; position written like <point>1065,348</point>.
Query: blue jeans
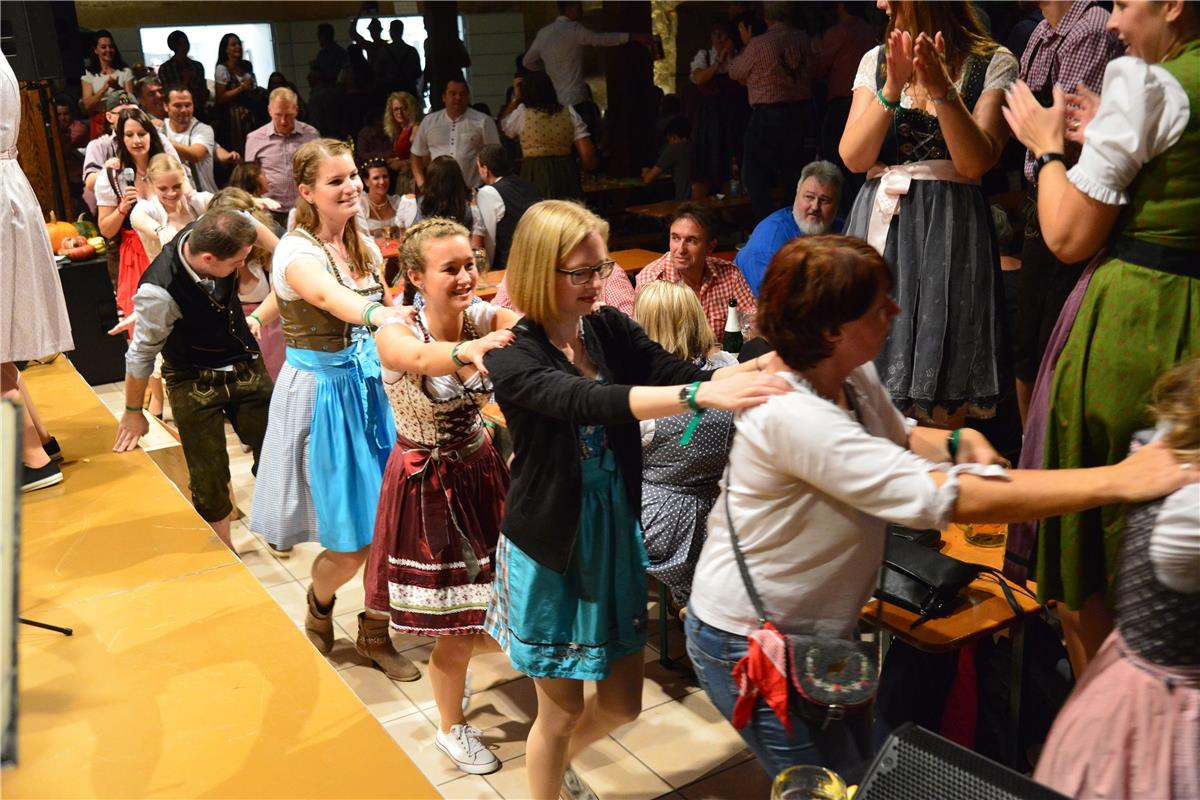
<point>842,746</point>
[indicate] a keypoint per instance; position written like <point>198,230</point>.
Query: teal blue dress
<point>576,625</point>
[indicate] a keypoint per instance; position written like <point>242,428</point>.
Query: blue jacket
<point>772,233</point>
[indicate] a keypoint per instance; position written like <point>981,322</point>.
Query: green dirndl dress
<point>1134,324</point>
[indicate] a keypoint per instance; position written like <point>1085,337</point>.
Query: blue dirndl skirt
<point>576,625</point>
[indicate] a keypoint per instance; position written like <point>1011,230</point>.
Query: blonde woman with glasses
<point>569,599</point>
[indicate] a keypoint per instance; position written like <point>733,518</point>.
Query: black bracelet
<point>1046,158</point>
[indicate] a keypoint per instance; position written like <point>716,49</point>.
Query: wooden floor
<point>184,678</point>
<point>679,749</point>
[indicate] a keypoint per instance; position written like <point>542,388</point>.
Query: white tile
<point>378,693</point>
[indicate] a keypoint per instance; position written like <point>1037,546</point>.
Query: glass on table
<point>808,782</point>
<point>985,534</point>
<point>482,266</point>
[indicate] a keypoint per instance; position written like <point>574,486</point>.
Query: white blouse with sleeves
<point>1002,72</point>
<point>1143,111</point>
<point>811,490</point>
<point>294,246</point>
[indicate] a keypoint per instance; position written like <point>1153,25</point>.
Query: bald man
<point>274,144</point>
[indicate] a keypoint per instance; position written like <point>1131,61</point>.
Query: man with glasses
<point>690,261</point>
<point>811,213</point>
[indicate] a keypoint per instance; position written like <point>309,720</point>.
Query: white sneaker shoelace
<point>465,748</point>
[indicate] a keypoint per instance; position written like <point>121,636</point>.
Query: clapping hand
<point>899,61</point>
<point>929,62</point>
<point>1039,129</point>
<point>1082,106</point>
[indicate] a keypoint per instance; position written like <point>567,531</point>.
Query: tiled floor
<point>679,748</point>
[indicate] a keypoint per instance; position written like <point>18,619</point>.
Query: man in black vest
<point>502,199</point>
<point>187,308</point>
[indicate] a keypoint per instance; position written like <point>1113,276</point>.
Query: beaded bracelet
<point>887,104</point>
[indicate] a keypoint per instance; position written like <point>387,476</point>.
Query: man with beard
<point>812,213</point>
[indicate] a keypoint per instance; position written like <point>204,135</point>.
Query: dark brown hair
<point>701,215</point>
<point>143,119</point>
<point>813,286</point>
<point>445,193</point>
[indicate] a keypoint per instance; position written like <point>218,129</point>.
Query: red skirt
<point>430,566</point>
<point>132,263</point>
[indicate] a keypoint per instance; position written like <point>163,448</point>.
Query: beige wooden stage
<point>184,677</point>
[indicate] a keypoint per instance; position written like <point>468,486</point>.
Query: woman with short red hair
<point>816,474</point>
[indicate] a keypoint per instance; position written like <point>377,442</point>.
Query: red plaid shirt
<point>616,292</point>
<point>1075,51</point>
<point>722,280</point>
<point>776,66</point>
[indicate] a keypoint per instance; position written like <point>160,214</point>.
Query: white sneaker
<point>469,754</point>
<point>574,788</point>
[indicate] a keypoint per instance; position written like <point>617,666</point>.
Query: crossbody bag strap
<point>741,560</point>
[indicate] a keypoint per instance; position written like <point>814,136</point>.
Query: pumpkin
<point>85,227</point>
<point>70,243</point>
<point>59,231</point>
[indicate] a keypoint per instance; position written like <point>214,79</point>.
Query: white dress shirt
<point>558,47</point>
<point>461,138</point>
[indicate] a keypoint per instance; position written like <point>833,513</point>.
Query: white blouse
<point>514,123</point>
<point>446,387</point>
<point>811,490</point>
<point>294,246</point>
<point>97,81</point>
<point>195,204</point>
<point>1143,111</point>
<point>374,227</point>
<point>408,213</point>
<point>705,59</point>
<point>1002,72</point>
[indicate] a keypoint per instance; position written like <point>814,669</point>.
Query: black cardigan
<point>545,399</point>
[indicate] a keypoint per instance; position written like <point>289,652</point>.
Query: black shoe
<point>53,450</point>
<point>40,477</point>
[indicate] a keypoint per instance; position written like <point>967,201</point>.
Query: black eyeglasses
<point>584,274</point>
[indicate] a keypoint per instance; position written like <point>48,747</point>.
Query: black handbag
<point>929,584</point>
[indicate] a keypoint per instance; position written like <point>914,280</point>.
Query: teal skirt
<point>578,624</point>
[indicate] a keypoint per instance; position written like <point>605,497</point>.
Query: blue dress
<point>576,625</point>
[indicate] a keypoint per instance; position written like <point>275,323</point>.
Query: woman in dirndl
<point>925,125</point>
<point>137,143</point>
<point>569,598</point>
<point>550,135</point>
<point>330,430</point>
<point>430,568</point>
<point>1132,200</point>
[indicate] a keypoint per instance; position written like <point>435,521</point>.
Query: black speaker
<point>41,40</point>
<point>92,308</point>
<point>916,764</point>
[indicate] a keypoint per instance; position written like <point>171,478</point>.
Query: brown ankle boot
<point>375,644</point>
<point>318,627</point>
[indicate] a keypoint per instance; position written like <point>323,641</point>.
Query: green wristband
<point>691,398</point>
<point>887,104</point>
<point>133,408</point>
<point>254,317</point>
<point>458,362</point>
<point>952,442</point>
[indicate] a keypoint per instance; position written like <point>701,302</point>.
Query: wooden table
<point>984,612</point>
<point>184,678</point>
<point>666,208</point>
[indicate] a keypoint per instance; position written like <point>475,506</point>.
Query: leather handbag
<point>928,583</point>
